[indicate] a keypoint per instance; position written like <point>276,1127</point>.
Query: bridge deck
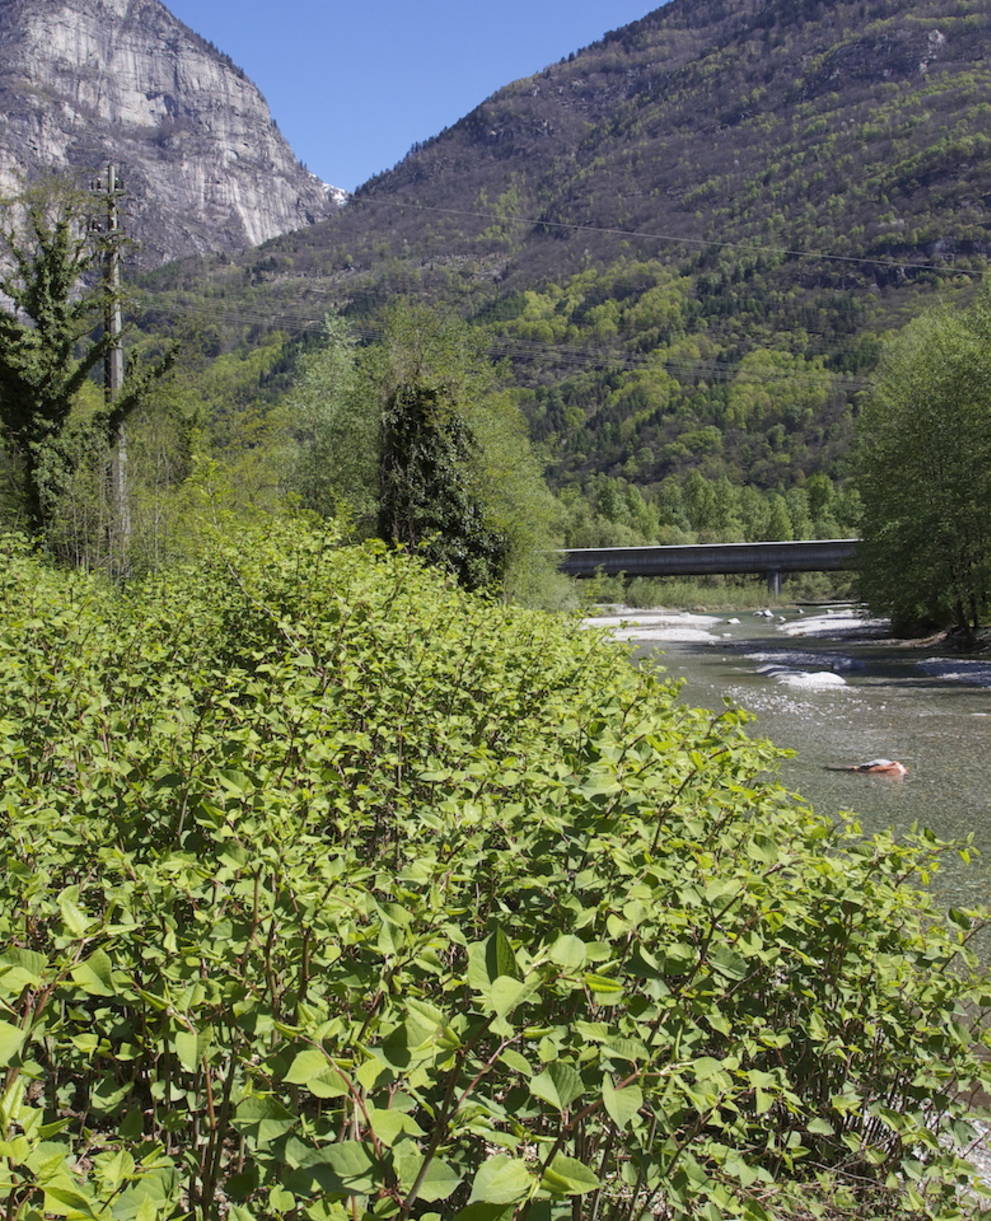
<point>703,559</point>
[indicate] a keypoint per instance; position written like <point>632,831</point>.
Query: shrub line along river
<point>833,687</point>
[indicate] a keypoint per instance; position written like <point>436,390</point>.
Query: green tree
<point>50,345</point>
<point>49,250</point>
<point>414,439</point>
<point>428,495</point>
<point>333,433</point>
<point>455,456</point>
<point>778,525</point>
<point>925,473</point>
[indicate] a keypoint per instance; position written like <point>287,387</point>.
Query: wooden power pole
<point>113,377</point>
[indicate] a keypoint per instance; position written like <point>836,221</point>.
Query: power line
<point>698,242</point>
<point>300,324</point>
<point>572,358</point>
<point>343,295</point>
<point>521,347</point>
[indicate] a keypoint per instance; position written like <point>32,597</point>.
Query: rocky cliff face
<point>83,82</point>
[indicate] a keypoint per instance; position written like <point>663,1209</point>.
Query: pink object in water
<point>882,767</point>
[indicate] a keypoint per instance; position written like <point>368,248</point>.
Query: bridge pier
<point>774,582</point>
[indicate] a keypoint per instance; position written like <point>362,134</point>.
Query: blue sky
<point>353,84</point>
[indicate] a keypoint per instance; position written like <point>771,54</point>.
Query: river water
<point>832,688</point>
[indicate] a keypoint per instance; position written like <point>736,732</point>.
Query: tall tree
<point>51,340</point>
<point>925,473</point>
<point>49,249</point>
<point>428,486</point>
<point>482,494</point>
<point>330,467</point>
<point>416,441</point>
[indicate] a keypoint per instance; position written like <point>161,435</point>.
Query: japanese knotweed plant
<point>332,892</point>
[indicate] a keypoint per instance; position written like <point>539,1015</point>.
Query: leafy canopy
<point>925,472</point>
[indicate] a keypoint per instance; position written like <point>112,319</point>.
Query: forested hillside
<point>685,238</point>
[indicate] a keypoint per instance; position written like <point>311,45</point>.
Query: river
<point>829,686</point>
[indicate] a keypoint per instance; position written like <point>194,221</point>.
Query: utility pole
<point>113,377</point>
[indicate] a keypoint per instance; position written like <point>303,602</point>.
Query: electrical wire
<point>697,242</point>
<point>570,357</point>
<point>299,323</point>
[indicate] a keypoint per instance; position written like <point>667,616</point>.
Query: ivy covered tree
<point>925,473</point>
<point>413,439</point>
<point>428,494</point>
<point>457,477</point>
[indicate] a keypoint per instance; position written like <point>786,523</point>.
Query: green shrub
<point>334,892</point>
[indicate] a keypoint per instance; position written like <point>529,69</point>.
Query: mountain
<point>774,121</point>
<point>84,82</point>
<point>687,237</point>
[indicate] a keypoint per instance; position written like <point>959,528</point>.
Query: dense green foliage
<point>333,892</point>
<point>660,393</point>
<point>410,437</point>
<point>414,439</point>
<point>925,459</point>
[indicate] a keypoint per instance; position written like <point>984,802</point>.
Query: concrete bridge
<point>772,560</point>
